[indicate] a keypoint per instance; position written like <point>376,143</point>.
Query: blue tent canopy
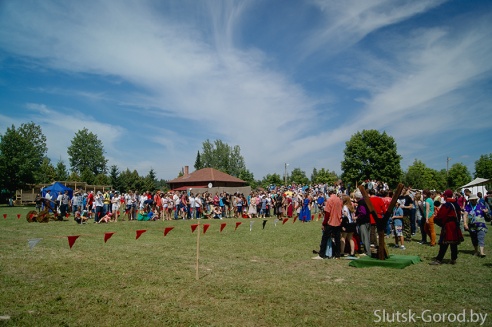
<point>55,188</point>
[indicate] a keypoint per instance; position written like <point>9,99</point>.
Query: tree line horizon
<point>368,155</point>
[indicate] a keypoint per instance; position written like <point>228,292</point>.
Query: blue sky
<point>288,81</point>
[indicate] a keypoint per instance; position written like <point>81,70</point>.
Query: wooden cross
<point>381,222</point>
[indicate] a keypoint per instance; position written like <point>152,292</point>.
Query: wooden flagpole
<point>197,249</point>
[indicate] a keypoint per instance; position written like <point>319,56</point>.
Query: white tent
<point>477,185</point>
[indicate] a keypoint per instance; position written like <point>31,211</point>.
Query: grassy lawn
<point>258,278</point>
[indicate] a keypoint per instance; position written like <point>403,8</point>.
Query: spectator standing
<point>428,218</point>
<point>448,217</point>
<point>331,225</point>
<point>474,222</point>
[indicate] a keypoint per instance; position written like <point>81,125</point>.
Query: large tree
<point>323,176</point>
<point>272,179</point>
<point>150,181</point>
<point>248,177</point>
<point>419,176</point>
<point>458,175</point>
<point>298,176</point>
<point>371,155</point>
<point>21,155</point>
<point>223,157</point>
<point>198,161</point>
<point>114,177</point>
<point>483,166</point>
<point>131,181</point>
<point>61,171</point>
<point>87,151</point>
<point>47,172</point>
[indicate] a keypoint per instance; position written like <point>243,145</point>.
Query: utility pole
<point>285,174</point>
<point>447,170</point>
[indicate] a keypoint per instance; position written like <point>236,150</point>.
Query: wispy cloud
<point>177,73</point>
<point>348,22</point>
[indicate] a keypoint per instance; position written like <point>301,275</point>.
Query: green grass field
<point>258,278</point>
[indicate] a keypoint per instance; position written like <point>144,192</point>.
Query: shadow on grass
<point>488,265</point>
<point>467,251</point>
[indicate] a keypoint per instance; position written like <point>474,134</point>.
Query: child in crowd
<point>217,212</point>
<point>398,226</point>
<point>106,218</point>
<point>80,219</point>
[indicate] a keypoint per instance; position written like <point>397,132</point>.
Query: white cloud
<point>348,22</point>
<point>182,69</point>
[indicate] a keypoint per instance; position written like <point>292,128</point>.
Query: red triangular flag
<point>67,215</point>
<point>312,217</point>
<point>205,227</point>
<point>118,212</point>
<point>140,232</point>
<point>193,227</point>
<point>295,218</point>
<point>107,236</point>
<point>71,240</point>
<point>18,216</point>
<point>4,216</point>
<point>167,230</point>
<point>285,220</point>
<point>222,226</point>
<point>237,224</point>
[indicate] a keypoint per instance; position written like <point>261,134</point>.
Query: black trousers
<point>330,231</point>
<point>444,247</point>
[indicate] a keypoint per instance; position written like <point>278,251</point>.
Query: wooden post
<point>197,249</point>
<point>381,222</point>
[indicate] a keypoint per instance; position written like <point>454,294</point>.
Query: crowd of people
<point>348,226</point>
<point>347,218</point>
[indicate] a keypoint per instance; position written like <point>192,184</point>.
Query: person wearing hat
<point>474,222</point>
<point>98,201</point>
<point>448,218</point>
<point>76,202</point>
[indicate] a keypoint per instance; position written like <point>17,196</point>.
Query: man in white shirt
<point>176,201</point>
<point>198,206</point>
<point>192,205</point>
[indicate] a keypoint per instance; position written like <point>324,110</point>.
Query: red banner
<point>140,232</point>
<point>72,239</point>
<point>167,230</point>
<point>107,236</point>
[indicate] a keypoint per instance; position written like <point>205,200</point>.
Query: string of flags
<point>107,235</point>
<point>71,239</point>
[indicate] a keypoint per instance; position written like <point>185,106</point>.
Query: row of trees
<point>368,155</point>
<point>223,157</point>
<point>23,161</point>
<point>373,155</point>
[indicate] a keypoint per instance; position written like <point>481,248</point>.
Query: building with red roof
<point>205,178</point>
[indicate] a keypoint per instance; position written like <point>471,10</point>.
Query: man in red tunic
<point>380,208</point>
<point>448,217</point>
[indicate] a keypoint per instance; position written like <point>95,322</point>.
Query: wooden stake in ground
<point>197,249</point>
<point>381,222</point>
